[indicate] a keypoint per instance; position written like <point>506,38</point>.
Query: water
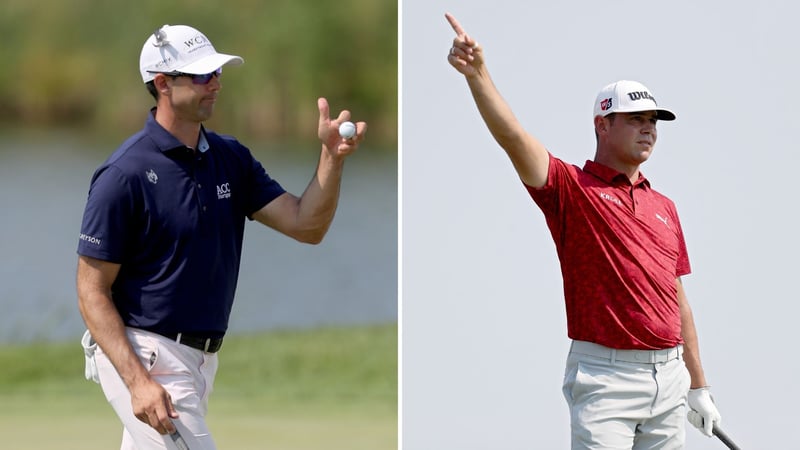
<point>351,278</point>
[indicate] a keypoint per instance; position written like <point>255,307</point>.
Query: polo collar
<point>165,141</point>
<point>612,176</point>
<point>202,142</point>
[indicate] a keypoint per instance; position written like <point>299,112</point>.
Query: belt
<point>206,344</point>
<point>634,356</point>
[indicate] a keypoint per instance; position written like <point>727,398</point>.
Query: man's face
<point>193,102</point>
<point>630,137</point>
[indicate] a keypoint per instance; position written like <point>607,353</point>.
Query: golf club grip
<point>716,431</point>
<point>178,440</point>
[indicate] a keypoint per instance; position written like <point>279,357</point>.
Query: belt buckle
<point>207,344</point>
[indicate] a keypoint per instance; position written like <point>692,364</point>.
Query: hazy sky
<point>484,333</point>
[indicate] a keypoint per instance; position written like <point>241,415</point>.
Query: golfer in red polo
<point>634,359</point>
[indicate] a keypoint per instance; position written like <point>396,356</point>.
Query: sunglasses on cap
<point>196,79</point>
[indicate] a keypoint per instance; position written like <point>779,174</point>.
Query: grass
<point>292,390</point>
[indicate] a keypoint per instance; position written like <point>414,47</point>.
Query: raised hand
<point>328,131</point>
<point>465,54</point>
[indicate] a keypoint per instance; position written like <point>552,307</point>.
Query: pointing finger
<point>461,34</point>
<point>454,23</point>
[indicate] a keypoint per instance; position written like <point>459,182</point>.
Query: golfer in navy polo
<point>161,242</point>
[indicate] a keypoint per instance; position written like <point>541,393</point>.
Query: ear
<point>600,124</point>
<point>160,82</point>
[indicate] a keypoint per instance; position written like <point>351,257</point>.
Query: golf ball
<point>347,130</point>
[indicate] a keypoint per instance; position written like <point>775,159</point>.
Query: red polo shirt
<point>621,248</point>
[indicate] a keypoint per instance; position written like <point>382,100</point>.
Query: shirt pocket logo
<point>223,191</point>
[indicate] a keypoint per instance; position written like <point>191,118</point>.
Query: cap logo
<point>164,63</point>
<point>161,38</point>
<point>605,105</point>
<point>641,95</point>
<point>196,43</point>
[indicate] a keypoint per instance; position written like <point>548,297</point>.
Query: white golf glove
<point>703,413</point>
<point>89,347</point>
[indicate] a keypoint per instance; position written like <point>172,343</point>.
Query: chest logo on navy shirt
<point>151,176</point>
<point>223,191</point>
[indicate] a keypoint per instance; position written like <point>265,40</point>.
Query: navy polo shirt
<point>174,219</point>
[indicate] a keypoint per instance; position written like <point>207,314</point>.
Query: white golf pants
<point>627,405</point>
<point>186,373</point>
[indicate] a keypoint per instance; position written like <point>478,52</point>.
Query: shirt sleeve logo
<point>90,239</point>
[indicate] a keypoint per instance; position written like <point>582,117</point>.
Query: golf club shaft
<point>717,431</point>
<point>178,440</point>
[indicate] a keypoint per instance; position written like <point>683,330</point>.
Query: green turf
<point>327,388</point>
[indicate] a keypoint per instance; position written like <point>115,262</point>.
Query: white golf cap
<point>180,48</point>
<point>628,96</point>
